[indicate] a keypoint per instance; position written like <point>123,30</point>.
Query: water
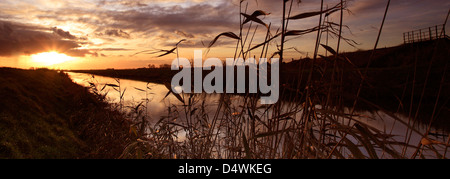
<point>157,107</point>
<point>133,95</point>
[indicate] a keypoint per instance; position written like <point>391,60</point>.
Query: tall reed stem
<point>370,58</point>
<point>283,31</point>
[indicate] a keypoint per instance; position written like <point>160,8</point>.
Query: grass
<point>45,115</point>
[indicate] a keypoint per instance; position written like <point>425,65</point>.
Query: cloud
<point>63,34</point>
<point>24,39</point>
<point>366,7</point>
<point>94,52</point>
<point>115,21</point>
<point>117,33</point>
<point>123,25</point>
<point>194,19</point>
<point>80,52</point>
<point>184,34</point>
<point>110,49</point>
<point>196,43</point>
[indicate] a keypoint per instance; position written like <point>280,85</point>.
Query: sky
<point>99,34</point>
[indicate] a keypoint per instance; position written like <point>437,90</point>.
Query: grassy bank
<point>43,114</point>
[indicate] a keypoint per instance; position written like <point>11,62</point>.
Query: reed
<point>310,122</point>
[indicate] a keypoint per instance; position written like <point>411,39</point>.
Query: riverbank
<point>154,75</point>
<point>43,114</point>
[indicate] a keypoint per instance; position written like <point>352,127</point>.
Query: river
<point>157,107</point>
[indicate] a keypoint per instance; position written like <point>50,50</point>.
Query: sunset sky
<point>98,34</point>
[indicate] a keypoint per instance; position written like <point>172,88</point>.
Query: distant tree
<point>151,66</point>
<point>164,66</point>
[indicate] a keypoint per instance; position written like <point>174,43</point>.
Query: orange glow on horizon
<point>50,58</point>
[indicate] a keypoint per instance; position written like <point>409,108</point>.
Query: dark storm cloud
<point>18,39</point>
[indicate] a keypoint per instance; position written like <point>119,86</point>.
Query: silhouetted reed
<point>312,120</point>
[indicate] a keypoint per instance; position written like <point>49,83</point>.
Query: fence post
<point>443,28</point>
<point>420,35</point>
<point>409,38</point>
<point>429,31</point>
<point>404,38</point>
<point>437,34</point>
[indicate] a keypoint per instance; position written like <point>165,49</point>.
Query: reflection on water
<point>137,91</point>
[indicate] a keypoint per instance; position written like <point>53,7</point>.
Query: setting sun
<point>50,58</point>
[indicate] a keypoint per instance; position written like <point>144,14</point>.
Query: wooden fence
<point>430,33</point>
